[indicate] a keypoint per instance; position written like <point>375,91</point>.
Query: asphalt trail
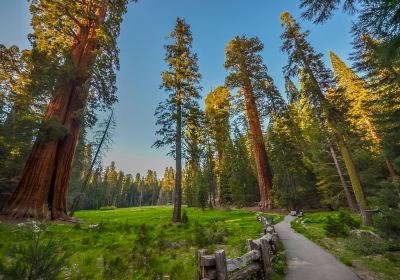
<point>308,261</point>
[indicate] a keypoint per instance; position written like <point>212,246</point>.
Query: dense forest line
<point>331,140</point>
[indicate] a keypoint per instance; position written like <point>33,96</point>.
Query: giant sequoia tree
<point>248,73</point>
<point>181,82</point>
<point>79,37</point>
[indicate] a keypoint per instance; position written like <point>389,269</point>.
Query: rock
<point>361,233</point>
<point>177,245</point>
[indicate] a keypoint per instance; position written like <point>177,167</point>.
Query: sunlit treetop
<point>58,30</point>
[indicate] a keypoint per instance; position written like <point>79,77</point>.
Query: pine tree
<point>248,73</point>
<point>378,18</point>
<point>243,181</point>
<point>139,187</point>
<point>20,114</point>
<point>318,79</point>
<point>359,98</point>
<point>167,186</point>
<point>193,138</point>
<point>181,81</point>
<point>217,113</point>
<point>101,144</point>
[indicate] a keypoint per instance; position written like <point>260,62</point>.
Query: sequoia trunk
<point>264,173</point>
<point>44,182</point>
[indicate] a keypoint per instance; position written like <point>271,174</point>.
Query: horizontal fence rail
<point>258,260</point>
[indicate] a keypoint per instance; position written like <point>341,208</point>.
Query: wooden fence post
<point>201,270</point>
<point>265,257</point>
<point>220,260</point>
<point>252,245</point>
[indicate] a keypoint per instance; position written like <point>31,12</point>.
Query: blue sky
<point>213,24</point>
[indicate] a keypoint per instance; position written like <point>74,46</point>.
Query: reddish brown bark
<point>264,173</point>
<point>45,178</point>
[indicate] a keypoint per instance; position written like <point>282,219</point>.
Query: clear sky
<point>213,24</point>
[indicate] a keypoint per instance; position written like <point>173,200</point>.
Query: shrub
<point>106,208</point>
<point>366,245</point>
<point>199,236</point>
<point>346,260</point>
<point>37,259</point>
<point>388,223</point>
<point>388,201</point>
<point>114,268</point>
<point>341,225</point>
<point>334,227</point>
<point>185,218</point>
<point>346,218</point>
<point>279,262</point>
<point>297,226</point>
<point>142,250</point>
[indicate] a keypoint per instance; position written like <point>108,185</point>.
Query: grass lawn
<point>142,243</point>
<point>365,258</point>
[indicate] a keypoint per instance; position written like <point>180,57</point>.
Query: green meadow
<point>137,243</point>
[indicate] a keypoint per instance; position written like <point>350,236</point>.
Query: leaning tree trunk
<point>44,182</point>
<point>83,185</point>
<point>351,169</point>
<point>350,201</point>
<point>176,218</point>
<point>264,173</point>
<point>355,181</point>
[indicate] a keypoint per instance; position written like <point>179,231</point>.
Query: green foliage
<point>239,172</point>
<point>294,182</point>
<point>114,267</point>
<point>340,225</point>
<point>378,18</point>
<point>35,259</point>
<point>279,262</point>
<point>107,208</point>
<point>20,115</point>
<point>185,217</point>
<point>107,237</point>
<point>183,92</point>
<point>53,130</point>
<point>142,252</point>
<point>335,227</point>
<point>202,190</point>
<point>387,221</point>
<point>366,245</point>
<point>211,235</point>
<point>367,251</point>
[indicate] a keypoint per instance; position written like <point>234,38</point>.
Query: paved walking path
<point>308,261</point>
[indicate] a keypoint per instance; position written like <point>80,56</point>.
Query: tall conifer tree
<point>317,80</point>
<point>181,82</point>
<point>361,112</point>
<point>217,113</point>
<point>247,72</point>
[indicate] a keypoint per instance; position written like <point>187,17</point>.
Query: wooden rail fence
<point>257,261</point>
